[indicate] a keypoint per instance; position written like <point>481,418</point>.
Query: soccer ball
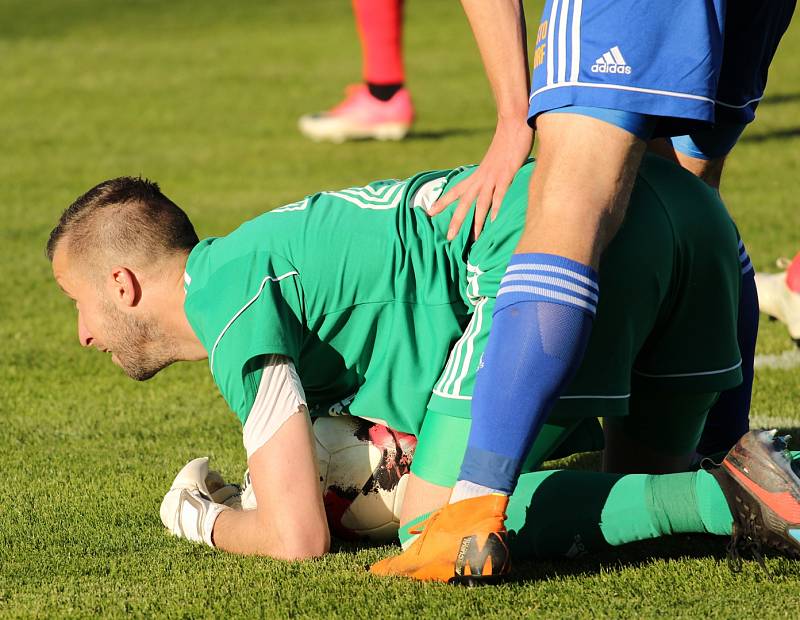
<point>363,474</point>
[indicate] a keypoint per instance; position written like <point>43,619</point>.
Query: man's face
<point>107,321</point>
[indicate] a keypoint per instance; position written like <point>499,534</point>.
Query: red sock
<point>380,27</point>
<point>793,274</point>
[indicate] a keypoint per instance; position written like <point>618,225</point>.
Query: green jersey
<point>384,318</point>
<point>358,287</point>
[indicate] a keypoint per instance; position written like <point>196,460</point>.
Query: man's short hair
<point>124,217</point>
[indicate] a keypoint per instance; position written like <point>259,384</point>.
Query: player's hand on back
<point>510,147</point>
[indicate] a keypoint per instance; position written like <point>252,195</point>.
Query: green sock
<point>557,513</point>
<point>405,536</point>
<point>567,513</point>
<point>641,506</point>
<point>712,505</point>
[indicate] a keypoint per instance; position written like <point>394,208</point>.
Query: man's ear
<point>124,287</point>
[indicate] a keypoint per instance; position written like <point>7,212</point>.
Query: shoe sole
<point>471,556</point>
<point>337,135</point>
<point>795,339</point>
<point>475,581</point>
<point>779,536</point>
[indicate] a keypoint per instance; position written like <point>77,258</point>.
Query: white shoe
<point>777,300</point>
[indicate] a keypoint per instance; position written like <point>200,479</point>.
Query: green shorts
<point>667,314</point>
<point>443,439</point>
<point>669,296</point>
<point>671,422</point>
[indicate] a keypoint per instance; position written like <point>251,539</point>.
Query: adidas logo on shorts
<point>611,62</point>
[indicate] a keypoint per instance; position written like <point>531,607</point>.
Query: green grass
<point>204,97</point>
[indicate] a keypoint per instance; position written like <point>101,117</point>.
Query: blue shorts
<point>716,141</point>
<point>664,59</point>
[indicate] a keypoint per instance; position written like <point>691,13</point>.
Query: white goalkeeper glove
<point>248,495</point>
<point>223,492</point>
<point>195,500</point>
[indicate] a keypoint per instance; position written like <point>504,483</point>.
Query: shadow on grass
<point>643,554</point>
<point>780,134</point>
<point>354,546</point>
<point>440,134</point>
<point>633,555</point>
<point>782,98</point>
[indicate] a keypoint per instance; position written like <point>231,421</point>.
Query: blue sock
<point>541,324</point>
<point>729,418</point>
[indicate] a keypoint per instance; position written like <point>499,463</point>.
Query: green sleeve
<point>244,309</point>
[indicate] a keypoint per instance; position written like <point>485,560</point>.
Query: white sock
<point>464,489</point>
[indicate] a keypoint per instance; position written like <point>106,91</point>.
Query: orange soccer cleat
<point>462,543</point>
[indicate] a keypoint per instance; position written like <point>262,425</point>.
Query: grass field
<point>203,96</point>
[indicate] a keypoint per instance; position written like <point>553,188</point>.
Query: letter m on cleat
<point>471,554</point>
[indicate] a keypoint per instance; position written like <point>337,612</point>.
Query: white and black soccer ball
<point>364,470</point>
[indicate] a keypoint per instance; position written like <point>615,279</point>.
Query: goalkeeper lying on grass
<point>353,302</point>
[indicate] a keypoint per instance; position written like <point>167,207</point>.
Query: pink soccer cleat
<point>361,116</point>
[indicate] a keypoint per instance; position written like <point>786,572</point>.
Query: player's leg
<point>703,153</point>
<point>437,458</point>
<point>660,435</point>
<point>566,513</point>
<point>754,495</point>
<point>752,34</point>
<point>570,513</point>
<point>576,512</point>
<point>592,122</point>
<point>380,29</point>
<point>729,418</point>
<point>547,300</point>
<point>381,106</point>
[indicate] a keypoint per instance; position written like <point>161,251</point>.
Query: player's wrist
<point>210,521</point>
<point>513,117</point>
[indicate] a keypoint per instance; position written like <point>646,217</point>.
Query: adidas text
<point>611,62</point>
<point>611,69</point>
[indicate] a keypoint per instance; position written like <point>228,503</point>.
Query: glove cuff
<point>214,510</point>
